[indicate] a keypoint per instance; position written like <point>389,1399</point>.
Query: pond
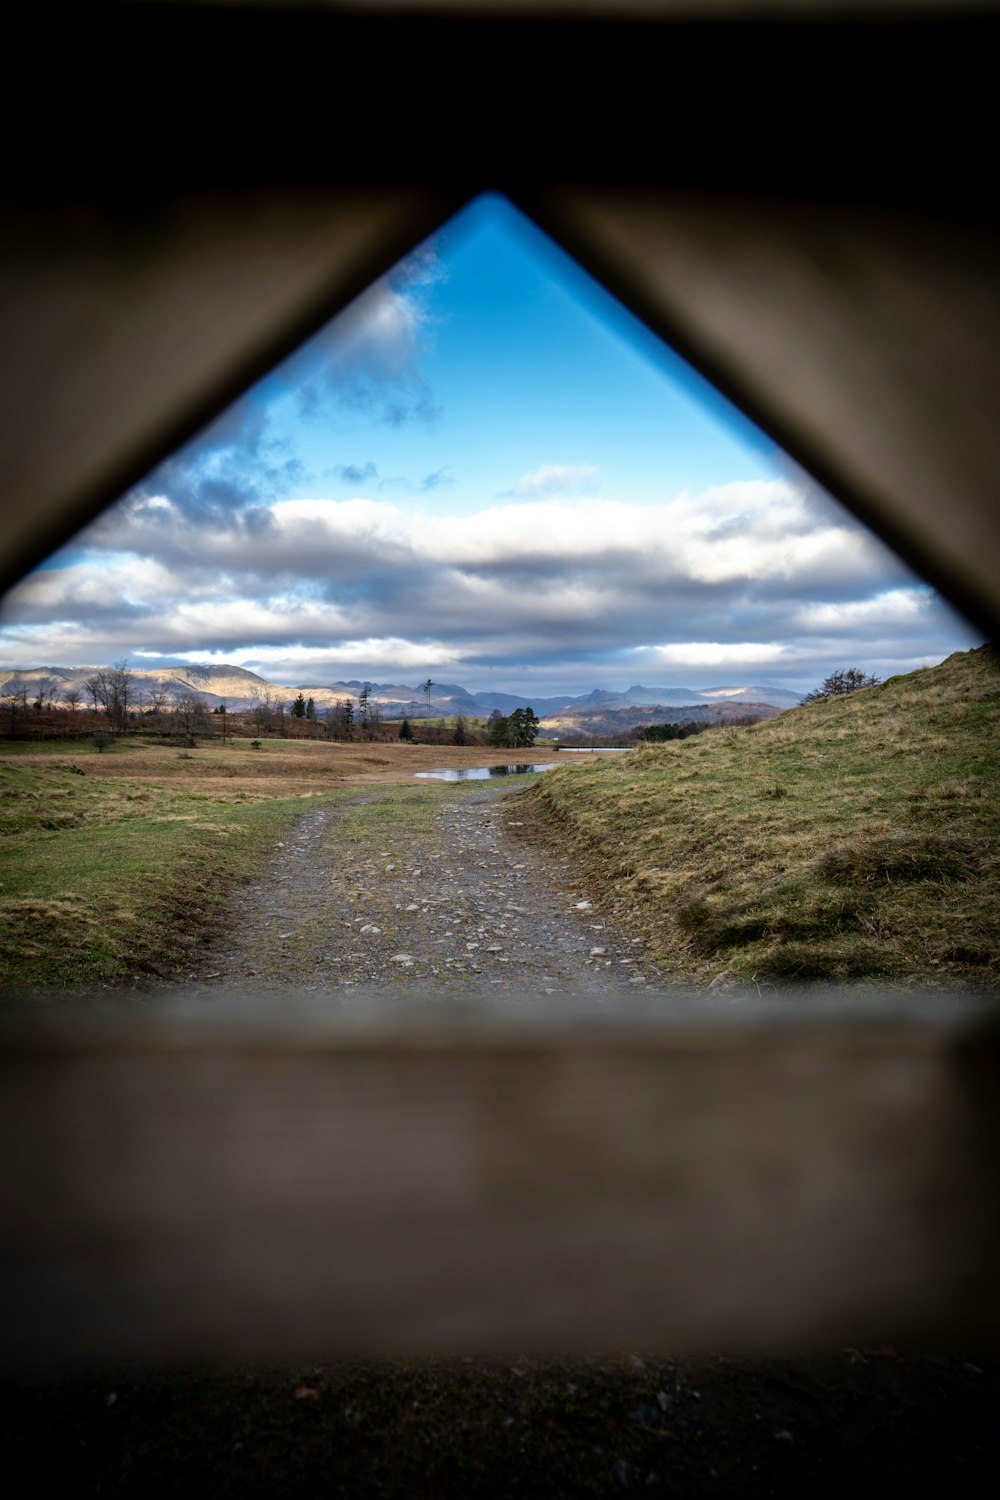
<point>480,773</point>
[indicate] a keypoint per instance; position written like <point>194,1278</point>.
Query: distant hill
<point>239,689</point>
<point>611,721</point>
<point>234,686</point>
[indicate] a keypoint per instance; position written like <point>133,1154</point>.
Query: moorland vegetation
<point>852,838</point>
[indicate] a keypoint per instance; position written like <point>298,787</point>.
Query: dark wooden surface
<point>284,1183</point>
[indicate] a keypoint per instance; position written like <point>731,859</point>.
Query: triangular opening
<point>488,471</point>
<point>485,491</point>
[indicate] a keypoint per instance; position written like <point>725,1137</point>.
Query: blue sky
<point>487,471</point>
<point>527,362</point>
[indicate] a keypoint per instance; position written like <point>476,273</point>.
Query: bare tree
<point>43,693</point>
<point>426,690</point>
<point>14,699</point>
<point>190,714</point>
<point>340,720</point>
<point>71,698</point>
<point>122,689</point>
<point>268,711</point>
<point>112,689</point>
<point>158,698</point>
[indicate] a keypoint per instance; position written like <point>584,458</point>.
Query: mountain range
<point>239,689</point>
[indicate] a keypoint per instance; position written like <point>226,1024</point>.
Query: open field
<point>847,839</point>
<point>304,767</point>
<point>114,864</point>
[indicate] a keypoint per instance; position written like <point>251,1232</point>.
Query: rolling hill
<point>855,837</point>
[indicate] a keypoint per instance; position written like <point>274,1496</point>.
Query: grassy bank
<point>107,880</point>
<point>848,839</point>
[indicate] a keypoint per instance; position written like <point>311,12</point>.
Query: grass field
<point>114,864</point>
<point>853,838</point>
<point>849,839</point>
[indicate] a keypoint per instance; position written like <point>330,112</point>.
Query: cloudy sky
<point>484,471</point>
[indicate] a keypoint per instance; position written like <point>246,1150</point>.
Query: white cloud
<point>557,479</point>
<point>93,583</point>
<point>374,654</point>
<point>890,610</point>
<point>717,654</point>
<point>744,577</point>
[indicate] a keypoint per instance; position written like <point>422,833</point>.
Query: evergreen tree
<point>405,730</point>
<point>299,707</point>
<point>310,709</point>
<point>461,735</point>
<point>522,727</point>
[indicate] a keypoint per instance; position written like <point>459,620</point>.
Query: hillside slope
<point>850,838</point>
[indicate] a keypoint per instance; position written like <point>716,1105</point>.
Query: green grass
<point>851,839</point>
<point>393,811</point>
<point>411,812</point>
<point>103,881</point>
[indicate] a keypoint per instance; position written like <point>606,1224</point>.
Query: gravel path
<point>464,903</point>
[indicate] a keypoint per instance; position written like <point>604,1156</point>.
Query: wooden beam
<point>278,1182</point>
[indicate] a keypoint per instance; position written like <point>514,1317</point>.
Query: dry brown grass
<point>302,767</point>
<point>851,838</point>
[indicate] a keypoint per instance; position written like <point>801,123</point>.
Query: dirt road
<point>429,886</point>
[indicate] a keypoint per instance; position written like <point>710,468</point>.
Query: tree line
<point>126,703</point>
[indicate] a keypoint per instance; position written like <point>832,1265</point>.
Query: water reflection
<point>480,773</point>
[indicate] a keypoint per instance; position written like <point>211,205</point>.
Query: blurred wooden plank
<point>291,1184</point>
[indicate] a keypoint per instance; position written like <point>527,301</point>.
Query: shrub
<point>840,683</point>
